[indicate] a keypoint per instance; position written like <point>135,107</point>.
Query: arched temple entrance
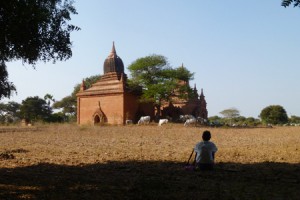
<point>99,117</point>
<point>96,120</point>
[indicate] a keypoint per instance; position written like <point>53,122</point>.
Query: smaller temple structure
<point>195,106</point>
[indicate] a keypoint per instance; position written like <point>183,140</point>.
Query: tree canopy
<point>6,87</point>
<point>9,112</point>
<point>33,30</point>
<point>148,70</point>
<point>287,3</point>
<point>274,114</point>
<point>294,119</point>
<point>48,98</point>
<point>230,113</point>
<point>67,104</point>
<point>35,109</point>
<point>158,80</point>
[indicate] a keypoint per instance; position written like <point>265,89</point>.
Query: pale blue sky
<point>244,53</point>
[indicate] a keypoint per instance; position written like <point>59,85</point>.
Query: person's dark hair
<point>206,136</point>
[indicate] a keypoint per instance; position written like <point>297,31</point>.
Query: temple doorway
<point>97,120</point>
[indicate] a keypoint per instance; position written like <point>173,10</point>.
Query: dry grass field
<point>146,162</point>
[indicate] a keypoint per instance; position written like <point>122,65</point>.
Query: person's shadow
<point>151,180</point>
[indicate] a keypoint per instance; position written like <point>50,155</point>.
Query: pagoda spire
<point>82,86</point>
<point>195,91</point>
<point>201,92</point>
<point>203,109</point>
<point>113,52</point>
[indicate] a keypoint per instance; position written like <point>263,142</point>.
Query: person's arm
<point>195,158</point>
<point>215,149</point>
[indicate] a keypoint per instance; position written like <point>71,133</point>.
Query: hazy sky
<point>245,54</point>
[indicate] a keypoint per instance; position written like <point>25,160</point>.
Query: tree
<point>58,117</point>
<point>158,80</point>
<point>48,98</point>
<point>35,109</point>
<point>252,121</point>
<point>294,119</point>
<point>33,30</point>
<point>240,120</point>
<point>274,114</point>
<point>9,112</point>
<point>215,120</point>
<point>230,113</point>
<point>287,3</point>
<point>6,87</point>
<point>67,104</point>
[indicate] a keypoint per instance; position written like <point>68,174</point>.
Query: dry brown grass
<point>146,162</point>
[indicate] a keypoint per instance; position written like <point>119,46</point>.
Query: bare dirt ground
<point>147,162</point>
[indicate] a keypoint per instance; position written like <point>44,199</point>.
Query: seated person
<point>205,152</point>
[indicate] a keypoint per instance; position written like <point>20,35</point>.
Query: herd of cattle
<point>191,120</point>
<point>186,119</point>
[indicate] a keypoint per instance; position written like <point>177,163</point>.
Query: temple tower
<point>108,100</point>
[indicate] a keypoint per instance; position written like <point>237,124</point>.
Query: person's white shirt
<point>205,150</point>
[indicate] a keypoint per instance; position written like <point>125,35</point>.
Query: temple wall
<point>130,107</point>
<point>111,105</point>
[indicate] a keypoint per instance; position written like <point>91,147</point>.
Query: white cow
<point>144,120</point>
<point>183,118</point>
<point>190,117</point>
<point>162,121</point>
<point>201,120</point>
<point>190,121</point>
